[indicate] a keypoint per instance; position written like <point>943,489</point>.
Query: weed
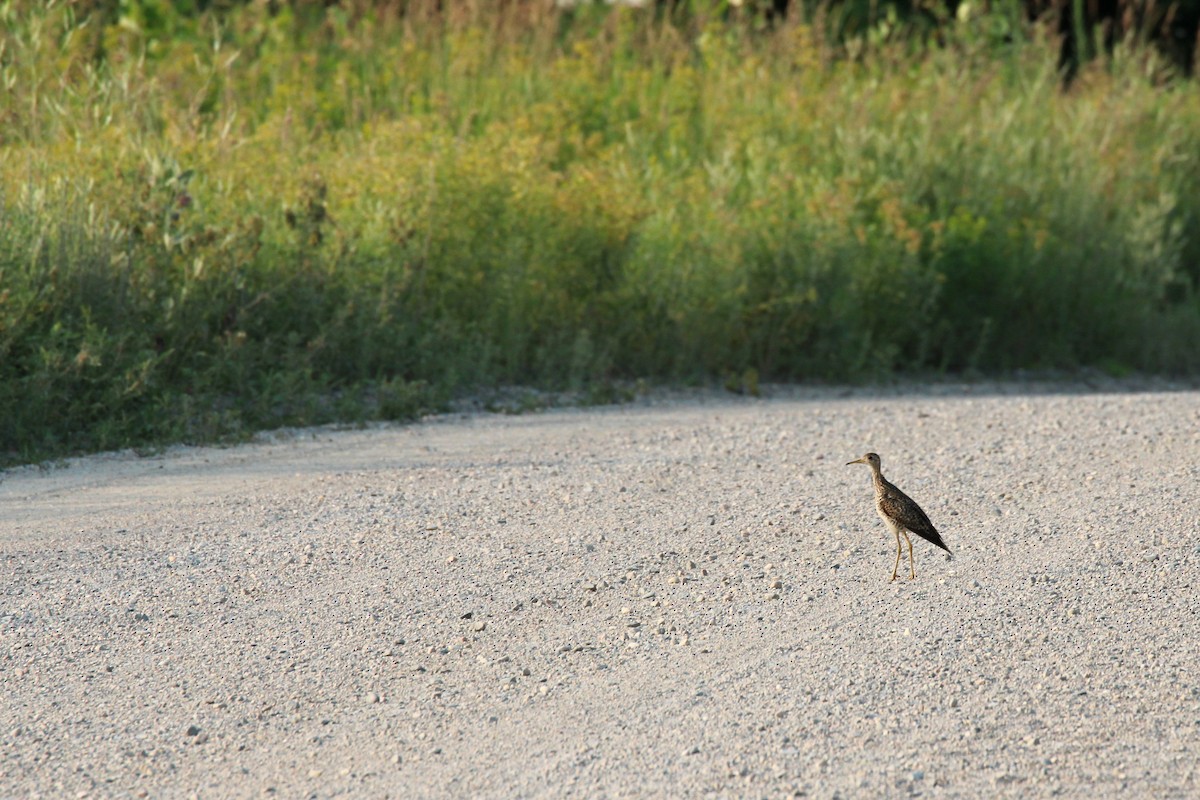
<point>270,214</point>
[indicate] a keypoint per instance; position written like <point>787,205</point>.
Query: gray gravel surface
<point>683,597</point>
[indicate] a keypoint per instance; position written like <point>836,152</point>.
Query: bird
<point>901,514</point>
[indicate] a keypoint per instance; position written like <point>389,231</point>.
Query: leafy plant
<point>227,218</point>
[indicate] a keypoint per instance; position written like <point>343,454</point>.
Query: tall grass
<point>216,223</point>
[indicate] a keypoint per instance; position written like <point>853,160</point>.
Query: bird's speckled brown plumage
<point>900,512</point>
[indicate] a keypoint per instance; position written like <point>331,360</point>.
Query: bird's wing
<point>902,508</point>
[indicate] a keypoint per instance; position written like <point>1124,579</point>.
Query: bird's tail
<point>936,538</point>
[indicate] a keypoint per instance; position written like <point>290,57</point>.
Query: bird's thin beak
<point>855,461</point>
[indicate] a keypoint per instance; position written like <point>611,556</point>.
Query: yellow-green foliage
<point>217,222</point>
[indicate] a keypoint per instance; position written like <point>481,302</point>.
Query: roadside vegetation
<point>214,222</point>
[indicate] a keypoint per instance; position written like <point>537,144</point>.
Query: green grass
<point>218,223</point>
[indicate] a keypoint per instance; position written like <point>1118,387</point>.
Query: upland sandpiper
<point>900,513</point>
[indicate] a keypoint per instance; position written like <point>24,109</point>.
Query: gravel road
<point>683,597</point>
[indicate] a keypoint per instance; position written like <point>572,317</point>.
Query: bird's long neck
<point>877,477</point>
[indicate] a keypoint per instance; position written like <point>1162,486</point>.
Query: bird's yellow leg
<point>897,567</point>
<point>912,569</point>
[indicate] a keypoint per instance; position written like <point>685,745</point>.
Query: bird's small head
<point>870,459</point>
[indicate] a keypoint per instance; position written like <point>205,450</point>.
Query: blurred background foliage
<point>219,217</point>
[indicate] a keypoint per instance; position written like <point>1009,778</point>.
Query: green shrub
<point>218,221</point>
